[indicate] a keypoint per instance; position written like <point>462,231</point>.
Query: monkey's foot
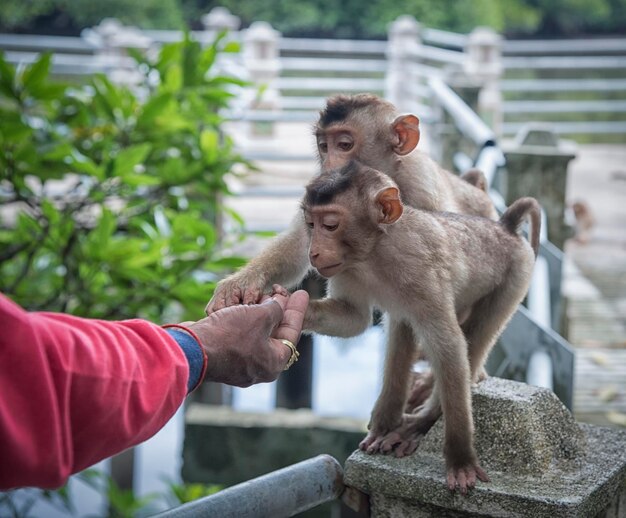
<point>421,389</point>
<point>464,477</point>
<point>401,441</point>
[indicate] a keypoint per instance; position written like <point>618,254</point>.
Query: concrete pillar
<point>220,19</point>
<point>483,66</point>
<point>403,40</point>
<point>536,165</point>
<point>113,39</point>
<point>261,59</point>
<point>540,461</point>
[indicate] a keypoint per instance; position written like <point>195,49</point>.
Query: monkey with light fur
<point>454,280</point>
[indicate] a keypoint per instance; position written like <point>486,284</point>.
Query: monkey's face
<point>336,146</point>
<point>327,250</point>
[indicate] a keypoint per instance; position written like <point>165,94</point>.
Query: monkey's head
<point>345,210</point>
<point>366,128</point>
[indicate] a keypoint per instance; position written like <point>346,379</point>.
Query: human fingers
<point>293,317</point>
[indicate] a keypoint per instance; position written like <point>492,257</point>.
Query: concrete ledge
<point>228,447</point>
<point>541,464</point>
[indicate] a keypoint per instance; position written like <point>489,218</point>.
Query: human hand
<point>243,343</point>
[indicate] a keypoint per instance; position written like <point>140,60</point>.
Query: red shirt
<point>74,391</point>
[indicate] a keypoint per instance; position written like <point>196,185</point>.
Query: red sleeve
<point>74,391</point>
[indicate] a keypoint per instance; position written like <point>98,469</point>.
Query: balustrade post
<point>261,59</point>
<point>112,40</point>
<point>483,67</point>
<point>536,165</point>
<point>220,19</point>
<point>403,40</point>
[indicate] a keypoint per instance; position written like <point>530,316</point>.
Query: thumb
<point>293,317</point>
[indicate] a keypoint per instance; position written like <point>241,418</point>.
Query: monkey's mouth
<point>329,271</point>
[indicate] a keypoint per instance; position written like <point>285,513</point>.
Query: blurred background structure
<point>538,104</point>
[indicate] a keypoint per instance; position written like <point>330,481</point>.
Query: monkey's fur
<point>454,282</point>
<point>368,129</point>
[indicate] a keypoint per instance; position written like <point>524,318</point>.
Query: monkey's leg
<point>285,261</point>
<point>488,318</point>
<point>387,414</point>
<point>446,348</point>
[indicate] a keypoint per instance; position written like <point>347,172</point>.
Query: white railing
<point>568,85</point>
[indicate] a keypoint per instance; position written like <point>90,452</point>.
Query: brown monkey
<point>477,178</point>
<point>453,280</point>
<point>368,129</point>
<point>584,221</point>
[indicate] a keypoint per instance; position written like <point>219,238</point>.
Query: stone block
<point>540,461</point>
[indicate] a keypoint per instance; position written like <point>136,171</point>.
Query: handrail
<point>278,494</point>
<point>466,120</point>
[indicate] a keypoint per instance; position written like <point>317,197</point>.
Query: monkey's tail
<point>517,212</point>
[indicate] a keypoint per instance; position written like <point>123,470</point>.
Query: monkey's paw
<point>401,441</point>
<point>235,290</point>
<point>464,477</point>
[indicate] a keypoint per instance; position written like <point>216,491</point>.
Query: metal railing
<point>279,494</point>
<point>529,349</point>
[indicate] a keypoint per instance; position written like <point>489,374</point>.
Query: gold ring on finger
<point>294,353</point>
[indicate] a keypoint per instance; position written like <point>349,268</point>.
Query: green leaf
<point>83,164</point>
<point>209,144</point>
<point>155,107</point>
<point>36,73</point>
<point>102,234</point>
<point>7,78</point>
<point>127,159</point>
<point>50,212</point>
<point>192,75</point>
<point>232,47</point>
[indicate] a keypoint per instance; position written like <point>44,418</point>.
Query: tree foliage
<point>108,193</point>
<point>330,18</point>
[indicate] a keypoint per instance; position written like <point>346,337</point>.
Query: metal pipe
<point>468,122</point>
<point>540,369</point>
<point>282,493</point>
<point>488,161</point>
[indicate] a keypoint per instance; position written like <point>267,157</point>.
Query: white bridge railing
<point>578,86</point>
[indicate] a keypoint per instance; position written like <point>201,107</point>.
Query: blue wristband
<point>193,352</point>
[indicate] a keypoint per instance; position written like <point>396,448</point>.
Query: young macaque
<point>449,283</point>
<point>368,129</point>
<point>583,221</point>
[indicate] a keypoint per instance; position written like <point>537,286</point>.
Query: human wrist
<point>194,352</point>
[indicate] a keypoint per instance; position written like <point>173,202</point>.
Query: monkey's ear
<point>407,130</point>
<point>391,207</point>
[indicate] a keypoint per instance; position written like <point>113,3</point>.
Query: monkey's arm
<point>285,261</point>
<point>337,317</point>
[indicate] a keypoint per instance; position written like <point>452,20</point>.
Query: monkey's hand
<point>464,477</point>
<point>239,288</point>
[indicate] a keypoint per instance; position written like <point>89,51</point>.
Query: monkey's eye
<point>323,147</point>
<point>345,146</point>
<point>310,224</point>
<point>331,228</point>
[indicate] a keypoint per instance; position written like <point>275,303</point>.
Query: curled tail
<point>517,212</point>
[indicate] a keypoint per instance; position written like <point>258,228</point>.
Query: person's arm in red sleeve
<point>69,399</point>
<point>74,391</point>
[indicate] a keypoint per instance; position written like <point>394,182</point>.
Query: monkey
<point>368,129</point>
<point>476,178</point>
<point>583,221</point>
<point>453,280</point>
